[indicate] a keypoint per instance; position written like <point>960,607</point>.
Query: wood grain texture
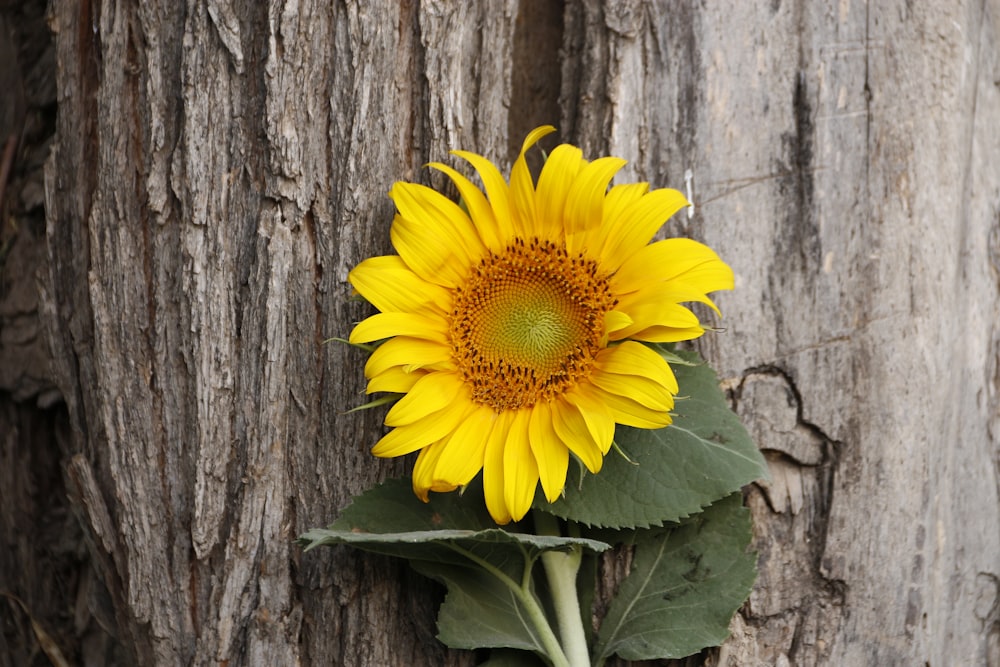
<point>220,166</point>
<point>843,164</point>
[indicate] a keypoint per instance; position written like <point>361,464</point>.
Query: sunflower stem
<point>552,647</point>
<point>561,570</point>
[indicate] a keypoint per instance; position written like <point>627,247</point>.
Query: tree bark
<point>218,167</point>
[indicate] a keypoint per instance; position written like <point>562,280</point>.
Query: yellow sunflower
<point>511,324</point>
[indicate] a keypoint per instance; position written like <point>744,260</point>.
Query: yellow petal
<point>598,417</point>
<point>551,455</point>
<point>479,207</point>
<point>652,308</point>
<point>389,285</point>
<point>694,285</point>
<point>423,472</point>
<point>522,190</point>
<point>585,203</point>
<point>395,380</point>
<point>387,325</point>
<point>688,293</point>
<point>493,469</point>
<point>631,358</point>
<point>636,224</point>
<point>673,259</point>
<point>619,197</point>
<point>496,190</point>
<point>573,431</point>
<point>431,393</point>
<point>554,183</point>
<point>438,215</point>
<point>405,439</point>
<point>630,413</point>
<point>410,354</point>
<point>465,449</point>
<point>520,471</point>
<point>616,320</point>
<point>430,255</point>
<point>535,135</point>
<point>658,334</point>
<point>639,389</point>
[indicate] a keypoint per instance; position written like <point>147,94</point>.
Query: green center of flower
<point>526,326</point>
<point>529,323</point>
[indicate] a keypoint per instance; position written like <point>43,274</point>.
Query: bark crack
<point>791,510</point>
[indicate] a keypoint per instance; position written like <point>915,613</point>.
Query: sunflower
<point>512,324</point>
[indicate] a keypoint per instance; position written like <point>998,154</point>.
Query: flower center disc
<point>526,326</point>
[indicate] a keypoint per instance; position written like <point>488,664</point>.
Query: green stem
<point>550,643</point>
<point>561,569</point>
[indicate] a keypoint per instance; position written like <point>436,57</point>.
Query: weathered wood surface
<point>219,166</point>
<point>846,161</point>
<point>218,170</point>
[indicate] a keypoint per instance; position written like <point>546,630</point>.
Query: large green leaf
<point>480,611</point>
<point>670,473</point>
<point>452,539</point>
<point>685,585</point>
<point>451,528</point>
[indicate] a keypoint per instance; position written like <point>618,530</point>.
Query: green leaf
<point>391,507</point>
<point>670,473</point>
<point>479,610</point>
<point>390,520</point>
<point>685,585</point>
<point>453,539</point>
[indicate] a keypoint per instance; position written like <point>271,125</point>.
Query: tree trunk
<point>218,167</point>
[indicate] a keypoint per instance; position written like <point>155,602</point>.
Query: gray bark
<point>845,161</point>
<point>218,167</point>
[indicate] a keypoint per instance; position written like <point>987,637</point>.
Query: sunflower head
<point>514,327</point>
